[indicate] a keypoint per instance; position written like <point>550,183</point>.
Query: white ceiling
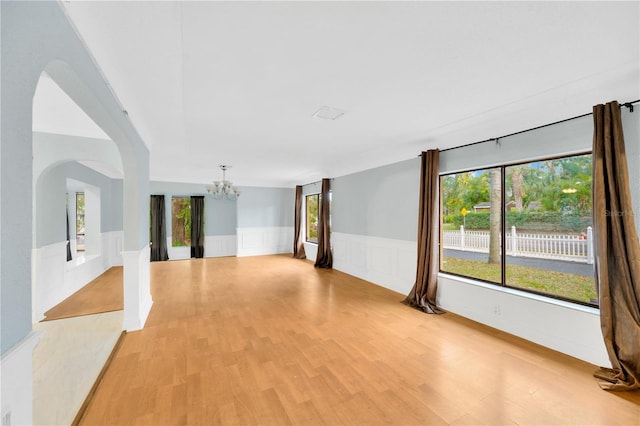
<point>209,83</point>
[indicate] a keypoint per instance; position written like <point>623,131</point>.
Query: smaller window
<point>311,225</point>
<point>80,226</point>
<point>181,221</point>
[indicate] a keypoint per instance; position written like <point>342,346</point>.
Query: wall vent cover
<point>328,113</point>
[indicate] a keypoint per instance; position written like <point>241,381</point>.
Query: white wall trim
<point>220,245</point>
<point>387,262</point>
<point>137,288</point>
<point>54,279</point>
<point>179,252</point>
<point>565,327</point>
<point>214,246</point>
<point>311,251</point>
<point>16,366</point>
<point>264,240</point>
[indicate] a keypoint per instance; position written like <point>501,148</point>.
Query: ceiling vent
<point>328,113</point>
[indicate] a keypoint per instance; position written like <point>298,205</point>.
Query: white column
<point>462,237</point>
<point>514,250</point>
<point>137,290</point>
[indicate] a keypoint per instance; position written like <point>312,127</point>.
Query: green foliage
<point>80,208</point>
<point>526,221</point>
<point>552,196</point>
<point>313,204</point>
<point>181,222</point>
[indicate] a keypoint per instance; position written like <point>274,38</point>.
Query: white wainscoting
<point>263,241</point>
<point>112,246</point>
<point>387,262</point>
<point>137,288</point>
<point>214,246</point>
<point>17,383</point>
<point>54,279</point>
<point>177,253</point>
<point>220,245</point>
<point>311,250</point>
<point>566,327</point>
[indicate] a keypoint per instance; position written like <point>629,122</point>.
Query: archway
<point>36,37</point>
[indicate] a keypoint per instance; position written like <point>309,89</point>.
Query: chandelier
<point>223,189</point>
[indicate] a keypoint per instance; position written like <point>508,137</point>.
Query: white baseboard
<point>16,366</point>
<point>264,241</point>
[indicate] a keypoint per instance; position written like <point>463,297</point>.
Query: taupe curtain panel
<point>617,252</point>
<point>158,229</point>
<point>197,226</point>
<point>298,246</point>
<point>324,259</point>
<point>423,293</point>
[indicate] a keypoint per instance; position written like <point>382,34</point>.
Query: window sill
<point>80,260</point>
<point>523,294</point>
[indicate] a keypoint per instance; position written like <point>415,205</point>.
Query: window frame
<point>187,237</point>
<point>78,215</point>
<point>307,227</point>
<point>503,226</point>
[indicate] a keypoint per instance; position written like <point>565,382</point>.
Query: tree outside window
<point>312,203</point>
<point>80,224</point>
<point>181,221</point>
<point>526,226</point>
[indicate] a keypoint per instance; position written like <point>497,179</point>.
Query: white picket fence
<point>577,248</point>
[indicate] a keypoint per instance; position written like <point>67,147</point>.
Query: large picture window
<point>180,221</point>
<point>526,226</point>
<point>312,203</point>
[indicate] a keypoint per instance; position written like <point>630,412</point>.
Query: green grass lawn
<point>576,287</point>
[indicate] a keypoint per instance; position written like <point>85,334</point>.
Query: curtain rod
<point>626,105</point>
<point>315,182</point>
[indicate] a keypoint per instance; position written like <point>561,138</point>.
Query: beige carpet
<point>67,362</point>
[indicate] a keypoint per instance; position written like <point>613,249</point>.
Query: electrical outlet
<point>6,418</point>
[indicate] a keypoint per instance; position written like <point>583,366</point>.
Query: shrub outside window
<point>539,212</point>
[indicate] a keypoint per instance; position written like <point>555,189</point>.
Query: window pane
<point>311,225</point>
<point>181,221</point>
<point>548,234</point>
<point>80,227</point>
<point>471,221</point>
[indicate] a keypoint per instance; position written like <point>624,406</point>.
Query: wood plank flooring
<point>271,340</point>
<point>103,294</point>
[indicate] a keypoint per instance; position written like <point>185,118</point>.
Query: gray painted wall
<point>117,198</point>
<point>35,36</point>
<point>380,202</point>
<point>219,215</point>
<point>265,207</point>
<point>51,189</point>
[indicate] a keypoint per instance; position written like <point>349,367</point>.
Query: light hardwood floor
<point>270,340</point>
<point>103,294</point>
